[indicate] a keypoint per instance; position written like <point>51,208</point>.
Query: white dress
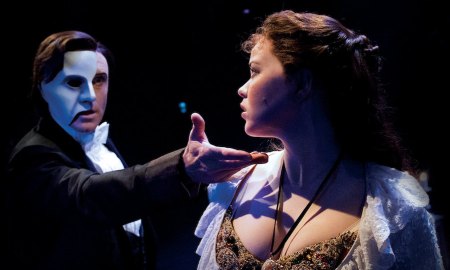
<point>396,231</point>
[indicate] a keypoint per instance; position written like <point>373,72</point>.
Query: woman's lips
<point>244,113</point>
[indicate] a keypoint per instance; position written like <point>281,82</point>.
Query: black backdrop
<point>167,53</point>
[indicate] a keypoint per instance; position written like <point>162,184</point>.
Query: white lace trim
<point>393,199</point>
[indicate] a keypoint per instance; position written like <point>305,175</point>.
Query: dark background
<point>171,52</point>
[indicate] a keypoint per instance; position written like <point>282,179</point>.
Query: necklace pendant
<point>269,264</point>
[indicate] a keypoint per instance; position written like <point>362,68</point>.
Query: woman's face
<point>77,96</point>
<point>268,97</point>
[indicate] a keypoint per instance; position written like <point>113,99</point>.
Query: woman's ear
<point>303,79</point>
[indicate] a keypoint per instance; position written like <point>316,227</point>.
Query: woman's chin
<point>251,131</point>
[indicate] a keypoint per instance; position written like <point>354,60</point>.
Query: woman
<point>338,196</point>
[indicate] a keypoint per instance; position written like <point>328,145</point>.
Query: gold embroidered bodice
<point>231,253</point>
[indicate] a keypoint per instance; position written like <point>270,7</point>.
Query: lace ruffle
<point>395,201</point>
<point>393,198</point>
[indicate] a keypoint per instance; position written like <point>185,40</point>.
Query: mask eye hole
<point>74,82</point>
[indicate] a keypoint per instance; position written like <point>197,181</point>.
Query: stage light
<point>182,106</point>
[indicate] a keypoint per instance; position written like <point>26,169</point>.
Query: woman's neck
<point>310,148</point>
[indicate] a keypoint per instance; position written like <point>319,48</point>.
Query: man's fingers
<point>224,153</point>
<point>198,128</point>
<point>233,155</point>
<point>259,157</point>
<point>236,164</point>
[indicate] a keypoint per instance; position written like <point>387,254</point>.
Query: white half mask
<point>71,91</point>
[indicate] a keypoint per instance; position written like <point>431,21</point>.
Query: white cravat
<point>105,160</point>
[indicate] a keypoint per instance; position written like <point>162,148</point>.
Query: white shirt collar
<point>98,137</point>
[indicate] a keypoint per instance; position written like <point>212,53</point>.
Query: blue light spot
<point>182,106</point>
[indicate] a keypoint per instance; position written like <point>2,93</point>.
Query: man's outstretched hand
<point>207,163</point>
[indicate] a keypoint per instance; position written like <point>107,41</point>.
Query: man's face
<point>77,96</point>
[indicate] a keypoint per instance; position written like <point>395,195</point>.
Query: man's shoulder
<point>36,147</point>
<point>32,139</point>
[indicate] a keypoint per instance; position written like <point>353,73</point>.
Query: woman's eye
<point>253,72</point>
<point>74,82</point>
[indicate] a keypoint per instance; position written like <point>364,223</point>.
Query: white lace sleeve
<point>207,229</point>
<point>220,196</point>
<point>396,231</point>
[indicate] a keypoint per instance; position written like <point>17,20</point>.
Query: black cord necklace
<point>270,263</point>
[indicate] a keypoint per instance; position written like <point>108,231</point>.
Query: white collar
<point>98,137</point>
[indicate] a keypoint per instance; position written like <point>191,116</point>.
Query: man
<point>72,203</point>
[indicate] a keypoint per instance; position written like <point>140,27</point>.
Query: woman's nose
<point>242,91</point>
